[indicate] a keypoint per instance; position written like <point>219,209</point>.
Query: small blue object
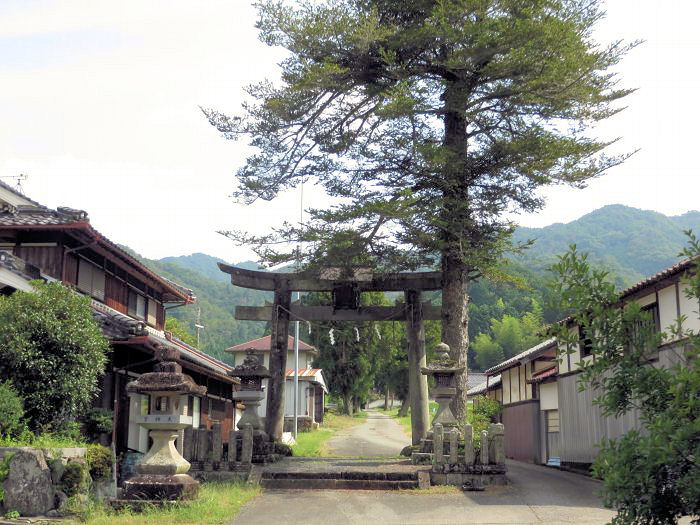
<point>554,462</point>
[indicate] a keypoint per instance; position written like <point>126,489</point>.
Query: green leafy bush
<point>99,461</point>
<point>11,411</point>
<point>4,472</point>
<point>75,478</point>
<point>483,413</point>
<point>53,350</point>
<point>97,421</point>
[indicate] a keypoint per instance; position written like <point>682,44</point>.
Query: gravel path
<point>378,436</point>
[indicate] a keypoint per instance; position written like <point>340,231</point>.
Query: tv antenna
<point>18,181</point>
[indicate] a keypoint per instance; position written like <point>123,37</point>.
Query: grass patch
<point>216,503</point>
<point>47,440</point>
<point>313,444</point>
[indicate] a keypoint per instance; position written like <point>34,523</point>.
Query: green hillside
<point>631,243</point>
<point>216,298</point>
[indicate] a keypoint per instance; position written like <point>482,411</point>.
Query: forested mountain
<point>216,300</point>
<point>631,243</point>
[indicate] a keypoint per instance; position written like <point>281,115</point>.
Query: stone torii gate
<point>346,307</point>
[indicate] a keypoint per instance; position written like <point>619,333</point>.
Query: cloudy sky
<point>99,107</point>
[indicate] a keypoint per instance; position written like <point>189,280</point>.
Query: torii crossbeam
<point>346,307</point>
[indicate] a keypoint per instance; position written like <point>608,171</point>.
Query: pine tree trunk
<point>455,318</point>
<point>456,217</point>
<point>386,398</point>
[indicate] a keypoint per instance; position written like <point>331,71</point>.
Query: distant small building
<point>312,386</point>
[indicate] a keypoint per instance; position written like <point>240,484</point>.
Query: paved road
<point>378,436</point>
<point>535,495</point>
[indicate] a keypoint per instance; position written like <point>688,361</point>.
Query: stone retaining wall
<point>39,478</point>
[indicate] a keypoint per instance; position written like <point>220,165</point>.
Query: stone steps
<point>357,480</point>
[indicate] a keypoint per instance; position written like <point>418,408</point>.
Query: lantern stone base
<point>158,487</point>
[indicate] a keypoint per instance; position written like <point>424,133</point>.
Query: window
<point>653,311</point>
<point>137,305</point>
<point>585,343</point>
<point>91,280</point>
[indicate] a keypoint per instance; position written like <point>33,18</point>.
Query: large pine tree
<point>426,121</point>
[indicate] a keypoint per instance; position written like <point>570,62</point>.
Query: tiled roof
<point>475,379</point>
<point>117,326</point>
<point>481,389</point>
<point>313,375</point>
<point>263,344</point>
<point>540,376</point>
<point>527,354</point>
<point>660,276</point>
<point>38,216</point>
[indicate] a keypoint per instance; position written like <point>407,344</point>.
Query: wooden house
<point>548,419</point>
<point>129,301</point>
<point>312,387</point>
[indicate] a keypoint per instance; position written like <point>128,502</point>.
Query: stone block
<point>28,488</point>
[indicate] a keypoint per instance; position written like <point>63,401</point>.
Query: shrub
<point>97,421</point>
<point>53,350</point>
<point>11,411</point>
<point>75,478</point>
<point>484,412</point>
<point>99,461</point>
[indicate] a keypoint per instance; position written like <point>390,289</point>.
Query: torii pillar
<point>414,312</point>
<point>274,414</point>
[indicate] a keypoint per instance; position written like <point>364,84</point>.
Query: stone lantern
<point>163,472</point>
<point>444,370</point>
<point>251,373</point>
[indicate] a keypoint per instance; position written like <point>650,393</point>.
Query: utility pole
<point>198,326</point>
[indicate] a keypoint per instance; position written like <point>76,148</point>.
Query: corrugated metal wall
<point>582,425</point>
<point>522,431</point>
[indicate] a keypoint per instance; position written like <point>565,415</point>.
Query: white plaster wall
<point>514,384</point>
<point>505,382</point>
<point>667,309</point>
<point>549,399</point>
<point>647,299</point>
<point>689,308</point>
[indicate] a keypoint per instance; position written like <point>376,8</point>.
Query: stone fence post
<point>484,457</point>
<point>188,444</point>
<point>438,454</point>
<point>497,452</point>
<point>454,444</point>
<point>216,443</point>
<point>247,445</point>
<point>468,445</point>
